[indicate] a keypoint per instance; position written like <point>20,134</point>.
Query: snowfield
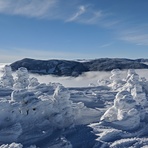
<point>94,110</point>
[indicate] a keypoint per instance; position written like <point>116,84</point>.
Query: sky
<point>73,29</point>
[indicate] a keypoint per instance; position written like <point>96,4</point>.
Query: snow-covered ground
<point>94,110</point>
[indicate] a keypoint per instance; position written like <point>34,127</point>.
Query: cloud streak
<point>106,45</point>
<point>30,8</point>
<point>87,15</point>
<point>81,10</point>
<point>135,36</point>
<point>53,9</point>
<point>69,11</point>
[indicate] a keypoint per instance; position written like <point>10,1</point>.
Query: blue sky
<point>73,29</point>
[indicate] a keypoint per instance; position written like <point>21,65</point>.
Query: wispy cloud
<point>106,45</point>
<point>30,8</point>
<point>87,15</point>
<point>53,9</point>
<point>81,10</point>
<point>135,36</point>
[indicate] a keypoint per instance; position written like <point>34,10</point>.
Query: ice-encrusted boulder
<point>131,82</point>
<point>25,100</point>
<point>22,80</point>
<point>22,96</point>
<point>139,95</point>
<point>144,83</point>
<point>123,113</point>
<point>49,102</point>
<point>64,105</point>
<point>115,78</point>
<point>115,75</point>
<point>129,73</point>
<point>7,80</point>
<point>136,87</point>
<point>33,82</point>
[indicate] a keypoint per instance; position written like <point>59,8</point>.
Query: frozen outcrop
<point>25,100</point>
<point>22,80</point>
<point>116,81</point>
<point>132,80</point>
<point>33,82</point>
<point>65,111</point>
<point>7,80</point>
<point>123,113</point>
<point>139,95</point>
<point>129,73</point>
<point>136,87</point>
<point>49,101</point>
<point>115,75</point>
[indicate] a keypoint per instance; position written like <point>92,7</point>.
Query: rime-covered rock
<point>137,87</point>
<point>116,81</point>
<point>33,82</point>
<point>7,78</point>
<point>131,82</point>
<point>139,95</point>
<point>64,105</point>
<point>22,80</point>
<point>124,112</point>
<point>129,73</point>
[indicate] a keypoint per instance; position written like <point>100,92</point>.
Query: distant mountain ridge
<point>75,68</point>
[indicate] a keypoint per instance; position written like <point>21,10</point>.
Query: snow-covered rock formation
<point>131,82</point>
<point>123,113</point>
<point>136,87</point>
<point>129,73</point>
<point>7,80</point>
<point>33,82</point>
<point>129,104</point>
<point>64,105</point>
<point>22,80</point>
<point>139,95</point>
<point>116,81</point>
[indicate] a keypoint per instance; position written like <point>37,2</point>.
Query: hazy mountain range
<point>75,68</point>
